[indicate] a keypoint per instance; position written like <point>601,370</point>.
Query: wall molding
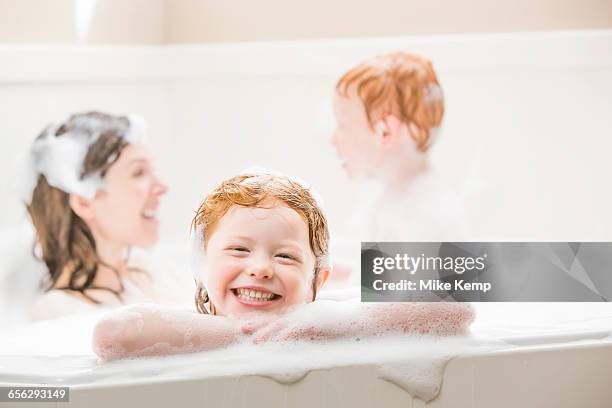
<point>451,53</point>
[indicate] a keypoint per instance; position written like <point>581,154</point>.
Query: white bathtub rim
<point>506,350</point>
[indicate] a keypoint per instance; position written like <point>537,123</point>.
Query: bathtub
<point>557,355</point>
<point>518,354</point>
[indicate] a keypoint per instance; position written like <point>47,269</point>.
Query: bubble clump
<point>59,155</point>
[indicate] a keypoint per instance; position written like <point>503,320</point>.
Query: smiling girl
<point>266,257</point>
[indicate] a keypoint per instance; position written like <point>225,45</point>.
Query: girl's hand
<point>252,324</point>
<point>323,320</point>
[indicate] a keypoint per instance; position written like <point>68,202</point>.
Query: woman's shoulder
<point>57,303</point>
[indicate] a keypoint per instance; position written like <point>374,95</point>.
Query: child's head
<point>266,243</point>
<point>384,107</point>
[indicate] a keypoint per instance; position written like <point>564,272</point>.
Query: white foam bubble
<point>60,159</point>
<point>421,374</point>
<point>433,93</point>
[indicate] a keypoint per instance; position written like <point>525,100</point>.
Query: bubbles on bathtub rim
<point>60,159</point>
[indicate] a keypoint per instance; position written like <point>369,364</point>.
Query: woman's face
<point>259,259</point>
<point>124,212</point>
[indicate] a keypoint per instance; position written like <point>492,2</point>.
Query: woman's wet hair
<point>63,240</point>
<point>258,190</point>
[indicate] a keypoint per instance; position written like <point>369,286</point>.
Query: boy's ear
<point>417,134</point>
<point>81,206</point>
<point>388,128</point>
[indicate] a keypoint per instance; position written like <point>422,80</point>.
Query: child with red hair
<point>388,112</point>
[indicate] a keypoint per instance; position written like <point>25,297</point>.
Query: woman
<point>95,196</point>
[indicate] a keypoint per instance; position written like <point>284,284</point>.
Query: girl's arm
<point>437,318</point>
<point>322,320</point>
<point>153,330</point>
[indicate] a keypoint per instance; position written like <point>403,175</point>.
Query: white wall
<point>530,111</point>
<point>55,21</point>
<point>195,21</point>
<point>191,21</point>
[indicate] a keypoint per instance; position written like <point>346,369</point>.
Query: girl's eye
<point>239,249</point>
<point>286,256</point>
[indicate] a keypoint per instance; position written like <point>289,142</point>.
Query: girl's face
<point>259,259</point>
<point>124,212</point>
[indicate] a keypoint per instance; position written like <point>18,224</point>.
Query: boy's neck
<point>401,172</point>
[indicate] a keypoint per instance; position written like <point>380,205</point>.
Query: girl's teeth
<point>249,294</point>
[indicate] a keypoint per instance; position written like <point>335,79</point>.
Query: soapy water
<point>60,159</point>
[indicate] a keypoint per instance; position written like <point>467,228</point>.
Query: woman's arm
<point>322,320</point>
<point>153,330</point>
